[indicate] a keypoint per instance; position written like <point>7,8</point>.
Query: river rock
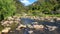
<point>51,28</point>
<point>38,27</point>
<point>6,30</point>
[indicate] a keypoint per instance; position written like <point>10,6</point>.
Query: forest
<point>38,8</point>
<point>10,10</point>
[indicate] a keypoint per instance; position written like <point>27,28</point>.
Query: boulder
<point>51,28</point>
<point>6,30</point>
<point>58,18</point>
<point>10,18</point>
<point>38,27</point>
<point>30,32</point>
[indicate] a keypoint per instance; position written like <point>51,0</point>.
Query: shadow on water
<point>26,21</point>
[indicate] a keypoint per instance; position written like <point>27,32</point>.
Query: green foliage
<point>50,7</point>
<point>19,6</point>
<point>13,26</point>
<point>1,27</point>
<point>7,8</point>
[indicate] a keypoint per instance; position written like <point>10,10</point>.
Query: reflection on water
<point>26,21</point>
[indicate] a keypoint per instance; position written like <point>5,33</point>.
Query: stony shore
<point>16,19</point>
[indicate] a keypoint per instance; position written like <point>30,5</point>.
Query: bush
<point>7,8</point>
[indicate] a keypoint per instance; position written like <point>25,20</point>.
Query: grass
<point>1,27</point>
<point>13,26</point>
<point>41,15</point>
<point>53,15</point>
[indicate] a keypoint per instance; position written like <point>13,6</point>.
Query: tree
<point>7,8</point>
<point>20,7</point>
<point>45,7</point>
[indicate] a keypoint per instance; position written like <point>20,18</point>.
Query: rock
<point>12,31</point>
<point>6,30</point>
<point>51,28</point>
<point>14,16</point>
<point>34,23</point>
<point>38,27</point>
<point>10,22</point>
<point>51,20</point>
<point>18,29</point>
<point>17,19</point>
<point>10,18</point>
<point>58,18</point>
<point>21,26</point>
<point>30,31</point>
<point>5,22</point>
<point>30,26</point>
<point>42,18</point>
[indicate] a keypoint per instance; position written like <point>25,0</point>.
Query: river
<point>26,21</point>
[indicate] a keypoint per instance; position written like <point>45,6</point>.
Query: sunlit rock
<point>10,22</point>
<point>6,30</point>
<point>24,26</point>
<point>51,20</point>
<point>12,31</point>
<point>30,32</point>
<point>30,26</point>
<point>14,16</point>
<point>34,23</point>
<point>58,18</point>
<point>38,26</point>
<point>17,19</point>
<point>51,28</point>
<point>5,22</point>
<point>10,18</point>
<point>42,18</point>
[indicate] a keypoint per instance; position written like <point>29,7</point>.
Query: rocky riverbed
<point>33,25</point>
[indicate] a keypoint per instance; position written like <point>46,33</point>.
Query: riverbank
<point>49,21</point>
